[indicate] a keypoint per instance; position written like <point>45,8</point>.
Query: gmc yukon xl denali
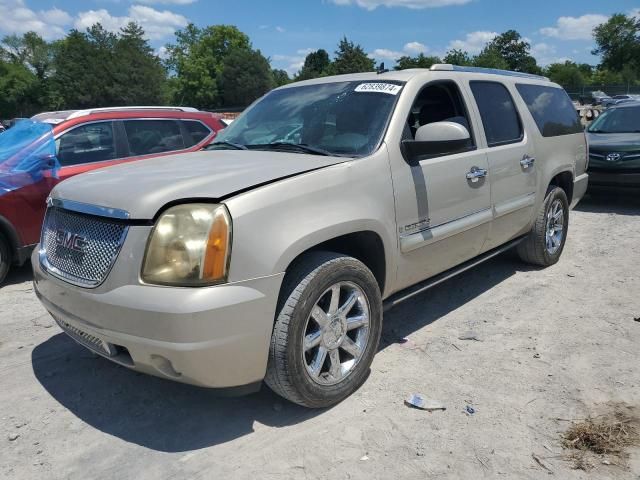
<point>273,255</point>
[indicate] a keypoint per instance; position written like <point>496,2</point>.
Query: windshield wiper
<point>294,146</point>
<point>237,146</point>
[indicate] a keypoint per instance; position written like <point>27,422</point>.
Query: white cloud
<point>156,24</point>
<point>280,29</point>
<point>386,54</point>
<point>546,54</point>
<point>473,42</point>
<point>415,48</point>
<point>412,4</point>
<point>18,18</point>
<point>575,28</point>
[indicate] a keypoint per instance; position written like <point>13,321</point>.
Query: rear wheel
<point>326,332</point>
<point>544,244</point>
<point>5,257</point>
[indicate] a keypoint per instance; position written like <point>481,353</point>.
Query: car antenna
<point>381,69</point>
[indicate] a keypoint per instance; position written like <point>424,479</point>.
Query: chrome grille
<point>80,248</point>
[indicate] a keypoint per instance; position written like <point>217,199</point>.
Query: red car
<point>37,154</point>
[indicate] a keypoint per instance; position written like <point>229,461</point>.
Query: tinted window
<point>197,132</point>
<point>153,136</point>
<point>552,110</point>
<point>88,143</point>
<point>498,112</point>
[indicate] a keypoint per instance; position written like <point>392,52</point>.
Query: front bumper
<point>212,337</point>
<point>614,179</point>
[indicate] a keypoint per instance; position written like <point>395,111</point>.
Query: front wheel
<point>544,244</point>
<point>5,258</point>
<point>326,331</point>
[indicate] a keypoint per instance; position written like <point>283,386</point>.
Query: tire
<point>536,249</point>
<point>292,370</point>
<point>5,258</point>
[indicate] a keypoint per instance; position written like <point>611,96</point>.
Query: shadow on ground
<point>172,417</point>
<point>611,200</point>
<point>18,275</point>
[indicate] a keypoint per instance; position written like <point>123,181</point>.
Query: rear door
<point>511,157</point>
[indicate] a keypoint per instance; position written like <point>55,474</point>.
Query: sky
<point>286,30</point>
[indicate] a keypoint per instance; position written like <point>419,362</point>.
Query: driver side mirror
<point>437,139</point>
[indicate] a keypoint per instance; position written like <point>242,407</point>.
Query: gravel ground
<point>552,346</point>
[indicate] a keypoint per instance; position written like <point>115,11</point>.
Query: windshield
<point>617,120</point>
<point>28,147</point>
<point>342,118</point>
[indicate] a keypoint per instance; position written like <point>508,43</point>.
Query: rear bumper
<point>214,337</point>
<point>579,188</point>
<point>614,179</point>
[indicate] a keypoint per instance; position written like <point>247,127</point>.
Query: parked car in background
<point>618,99</point>
<point>36,154</point>
<point>269,256</point>
<point>594,98</point>
<point>614,147</point>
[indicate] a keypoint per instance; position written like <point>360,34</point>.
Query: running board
<point>418,288</point>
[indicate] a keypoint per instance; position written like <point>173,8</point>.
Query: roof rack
<point>82,113</point>
<point>447,67</point>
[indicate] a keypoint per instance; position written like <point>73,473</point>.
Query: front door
<point>442,203</point>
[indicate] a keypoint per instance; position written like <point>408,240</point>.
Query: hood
<point>143,187</point>
<point>608,142</point>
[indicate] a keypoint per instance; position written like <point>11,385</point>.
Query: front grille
<point>86,339</point>
<point>80,248</point>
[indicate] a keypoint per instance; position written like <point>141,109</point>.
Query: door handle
<point>527,161</point>
<point>476,173</point>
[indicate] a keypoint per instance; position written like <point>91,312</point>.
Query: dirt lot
<point>553,346</point>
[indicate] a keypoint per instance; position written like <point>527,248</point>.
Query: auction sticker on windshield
<point>389,88</point>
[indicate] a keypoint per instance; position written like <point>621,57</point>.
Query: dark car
<point>614,147</point>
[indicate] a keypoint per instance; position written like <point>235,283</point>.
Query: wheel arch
<point>564,180</point>
<point>366,246</point>
<point>9,232</point>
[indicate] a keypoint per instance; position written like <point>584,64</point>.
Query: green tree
<point>567,74</point>
<point>316,64</point>
<point>420,61</point>
<point>458,57</point>
<point>280,77</point>
<point>196,61</point>
<point>351,58</point>
<point>490,58</point>
<point>513,49</point>
<point>246,75</point>
<point>30,50</point>
<point>618,43</point>
<point>18,90</point>
<point>138,74</point>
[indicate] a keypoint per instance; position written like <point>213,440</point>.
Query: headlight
<point>189,246</point>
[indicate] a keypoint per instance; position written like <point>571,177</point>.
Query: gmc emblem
<point>72,241</point>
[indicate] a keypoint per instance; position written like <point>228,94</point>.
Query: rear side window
<point>88,143</point>
<point>196,132</point>
<point>498,112</point>
<point>552,110</point>
<point>147,137</point>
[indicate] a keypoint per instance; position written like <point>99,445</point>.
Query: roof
<point>408,74</point>
<point>64,115</point>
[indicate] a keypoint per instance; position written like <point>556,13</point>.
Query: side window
<point>437,102</point>
<point>551,108</point>
<point>153,136</point>
<point>196,130</point>
<point>88,143</point>
<point>498,112</point>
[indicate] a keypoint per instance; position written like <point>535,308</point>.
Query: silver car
<point>273,255</point>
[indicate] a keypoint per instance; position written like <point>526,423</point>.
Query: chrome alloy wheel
<point>554,227</point>
<point>336,333</point>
